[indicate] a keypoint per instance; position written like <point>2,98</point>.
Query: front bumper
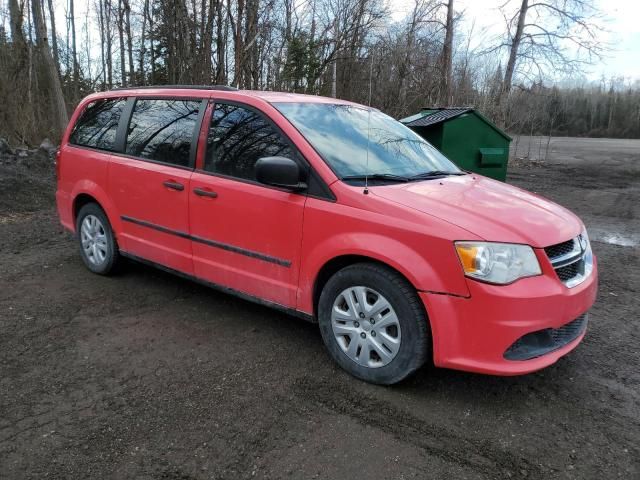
<point>476,333</point>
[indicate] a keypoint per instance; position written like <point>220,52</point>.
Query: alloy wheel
<point>93,237</point>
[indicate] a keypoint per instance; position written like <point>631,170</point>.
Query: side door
<point>149,181</point>
<point>245,235</point>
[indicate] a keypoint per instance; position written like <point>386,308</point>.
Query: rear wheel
<point>373,323</point>
<point>98,247</point>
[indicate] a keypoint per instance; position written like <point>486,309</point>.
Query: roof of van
<point>275,97</point>
<point>268,96</point>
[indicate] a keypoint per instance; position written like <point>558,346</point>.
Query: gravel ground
<point>145,375</point>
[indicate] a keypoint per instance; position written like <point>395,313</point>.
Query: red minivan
<point>333,212</point>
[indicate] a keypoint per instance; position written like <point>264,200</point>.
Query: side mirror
<point>279,172</point>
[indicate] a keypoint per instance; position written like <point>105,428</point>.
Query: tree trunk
<point>17,34</point>
<point>152,50</point>
<point>42,43</point>
<point>238,44</point>
<point>447,55</point>
<point>250,52</point>
<point>107,17</point>
<point>221,43</point>
<point>33,79</point>
<point>334,63</point>
<point>123,70</point>
<point>208,14</point>
<point>102,39</point>
<point>515,44</point>
<point>87,47</point>
<point>403,68</point>
<point>54,37</point>
<point>612,107</point>
<point>334,78</point>
<point>127,26</point>
<point>74,52</point>
<point>181,47</point>
<point>312,48</point>
<point>143,49</point>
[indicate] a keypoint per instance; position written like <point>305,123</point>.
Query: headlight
<point>585,244</point>
<point>500,263</point>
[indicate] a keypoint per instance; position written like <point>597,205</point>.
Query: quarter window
<point>237,138</point>
<point>162,130</point>
<point>97,126</point>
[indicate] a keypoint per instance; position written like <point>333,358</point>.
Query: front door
<point>245,235</point>
<point>149,183</point>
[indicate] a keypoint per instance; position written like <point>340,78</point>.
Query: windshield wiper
<point>434,174</point>
<point>378,176</point>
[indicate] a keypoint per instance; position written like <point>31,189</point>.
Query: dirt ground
<point>145,375</point>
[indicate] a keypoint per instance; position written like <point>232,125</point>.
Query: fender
<point>418,269</point>
<point>92,189</point>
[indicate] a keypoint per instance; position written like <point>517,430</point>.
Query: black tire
<point>112,258</point>
<point>415,345</point>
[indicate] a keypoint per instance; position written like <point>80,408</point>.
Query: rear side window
<point>162,130</point>
<point>97,126</point>
<point>237,138</point>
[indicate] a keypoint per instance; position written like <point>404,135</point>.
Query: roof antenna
<point>366,174</point>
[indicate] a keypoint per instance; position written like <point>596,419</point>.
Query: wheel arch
<point>80,201</point>
<point>335,264</point>
<point>89,192</point>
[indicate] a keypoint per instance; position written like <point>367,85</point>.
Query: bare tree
<point>42,44</point>
<point>221,43</point>
<point>107,39</point>
<point>550,34</point>
<point>152,49</point>
<point>516,39</point>
<point>123,70</point>
<point>16,21</point>
<point>74,49</point>
<point>250,51</point>
<point>447,55</point>
<point>54,37</point>
<point>101,31</point>
<point>238,45</point>
<point>143,46</point>
<point>127,27</point>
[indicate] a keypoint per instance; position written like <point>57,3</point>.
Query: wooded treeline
<point>349,49</point>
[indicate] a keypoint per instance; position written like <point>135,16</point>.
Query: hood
<point>487,208</point>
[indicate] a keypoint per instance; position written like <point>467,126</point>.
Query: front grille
<point>570,271</point>
<point>541,342</point>
<point>568,260</point>
<point>559,249</point>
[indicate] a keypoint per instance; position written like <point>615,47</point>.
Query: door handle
<point>205,193</point>
<point>173,185</point>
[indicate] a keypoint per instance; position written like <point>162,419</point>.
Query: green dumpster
<point>465,136</point>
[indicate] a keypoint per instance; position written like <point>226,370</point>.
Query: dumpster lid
<point>431,116</point>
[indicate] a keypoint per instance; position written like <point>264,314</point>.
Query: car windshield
<point>341,134</point>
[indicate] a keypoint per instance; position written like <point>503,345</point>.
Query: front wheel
<point>98,247</point>
<point>373,323</point>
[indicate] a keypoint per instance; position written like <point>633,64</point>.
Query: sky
<point>621,20</point>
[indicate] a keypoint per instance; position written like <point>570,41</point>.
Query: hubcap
<point>94,239</point>
<point>366,327</point>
